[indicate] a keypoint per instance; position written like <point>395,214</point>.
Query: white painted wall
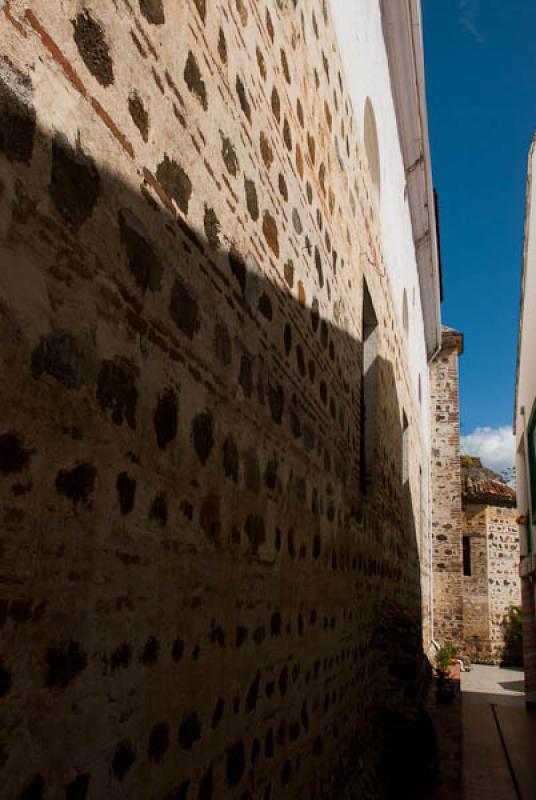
<point>526,382</point>
<point>361,43</point>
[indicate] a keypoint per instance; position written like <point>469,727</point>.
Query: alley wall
<point>192,577</point>
<point>447,522</point>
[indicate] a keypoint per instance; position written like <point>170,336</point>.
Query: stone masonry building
<point>219,293</point>
<point>447,520</point>
<point>524,429</point>
<point>490,546</point>
<point>475,540</point>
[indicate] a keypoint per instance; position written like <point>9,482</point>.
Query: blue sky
<point>481,85</point>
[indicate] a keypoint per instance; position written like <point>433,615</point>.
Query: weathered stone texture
<point>475,586</point>
<point>494,583</point>
<point>447,521</point>
<point>191,579</point>
<point>469,610</point>
<point>503,571</point>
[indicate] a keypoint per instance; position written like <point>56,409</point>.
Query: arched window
<point>371,144</point>
<point>405,312</point>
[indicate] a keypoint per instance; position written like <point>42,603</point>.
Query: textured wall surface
<point>475,586</point>
<point>468,610</point>
<point>525,399</point>
<point>191,580</point>
<point>447,520</point>
<point>493,585</point>
<point>366,67</point>
<point>503,571</point>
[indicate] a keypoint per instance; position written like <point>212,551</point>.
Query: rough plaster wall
<point>446,494</point>
<point>191,579</point>
<point>359,28</point>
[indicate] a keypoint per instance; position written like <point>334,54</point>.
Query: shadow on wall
<point>196,597</point>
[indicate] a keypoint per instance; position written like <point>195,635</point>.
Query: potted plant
<point>444,672</point>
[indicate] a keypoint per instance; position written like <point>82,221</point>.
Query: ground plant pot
<point>455,671</point>
<point>445,688</point>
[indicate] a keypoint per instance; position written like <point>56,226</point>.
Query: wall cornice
<point>402,28</point>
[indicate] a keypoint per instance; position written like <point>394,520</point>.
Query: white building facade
<point>525,432</point>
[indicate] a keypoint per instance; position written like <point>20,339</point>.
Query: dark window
<point>367,417</point>
<point>467,555</point>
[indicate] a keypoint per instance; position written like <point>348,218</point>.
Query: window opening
<point>467,556</point>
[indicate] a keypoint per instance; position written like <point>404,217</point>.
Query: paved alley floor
<point>499,736</point>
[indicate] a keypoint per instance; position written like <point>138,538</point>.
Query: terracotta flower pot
<point>455,671</point>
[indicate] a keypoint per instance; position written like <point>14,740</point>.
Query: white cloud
<point>467,14</point>
<point>495,446</point>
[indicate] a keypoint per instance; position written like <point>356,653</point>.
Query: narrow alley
<point>258,501</point>
<point>499,736</point>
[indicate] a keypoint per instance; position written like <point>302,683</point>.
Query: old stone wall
<point>191,577</point>
<point>493,585</point>
<point>446,492</point>
<point>503,572</point>
<point>475,586</point>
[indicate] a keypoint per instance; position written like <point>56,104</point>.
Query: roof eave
<point>402,25</point>
<point>528,207</point>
